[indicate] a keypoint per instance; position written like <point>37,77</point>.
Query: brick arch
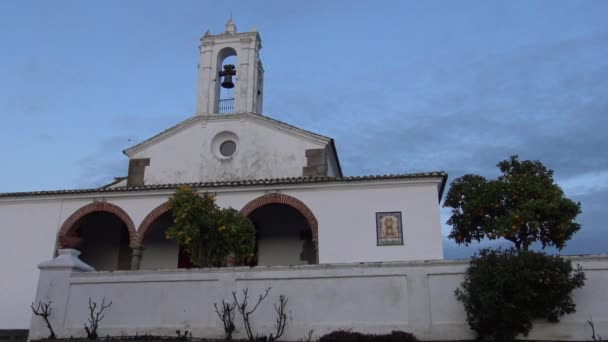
<point>277,198</point>
<point>79,214</point>
<point>149,220</point>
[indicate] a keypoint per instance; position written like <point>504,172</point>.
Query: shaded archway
<point>286,230</point>
<point>103,233</point>
<point>277,198</point>
<point>156,250</point>
<point>149,220</point>
<point>68,225</point>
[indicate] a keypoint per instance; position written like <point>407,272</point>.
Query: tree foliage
<point>504,291</point>
<point>523,205</point>
<point>208,233</point>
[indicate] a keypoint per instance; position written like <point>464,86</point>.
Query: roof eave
<point>240,184</point>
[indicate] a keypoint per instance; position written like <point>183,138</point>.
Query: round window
<point>227,148</point>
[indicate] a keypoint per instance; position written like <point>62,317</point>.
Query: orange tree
<point>504,290</point>
<point>208,233</point>
<point>523,205</point>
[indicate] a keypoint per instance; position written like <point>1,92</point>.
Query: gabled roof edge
<point>181,125</point>
<point>196,118</point>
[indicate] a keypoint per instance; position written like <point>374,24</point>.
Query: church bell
<point>227,73</point>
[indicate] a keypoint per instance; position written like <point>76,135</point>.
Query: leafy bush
<point>504,290</point>
<point>349,336</point>
<point>209,234</point>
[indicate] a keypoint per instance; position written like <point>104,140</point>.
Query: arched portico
<point>286,230</point>
<point>72,222</point>
<point>156,250</point>
<point>278,198</point>
<point>103,232</point>
<point>149,220</point>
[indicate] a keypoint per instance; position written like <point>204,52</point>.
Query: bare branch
<point>242,307</point>
<point>260,299</point>
<point>44,310</point>
<point>594,337</point>
<point>95,316</point>
<point>281,321</point>
<point>227,316</point>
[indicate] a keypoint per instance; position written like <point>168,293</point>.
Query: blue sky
<point>402,86</point>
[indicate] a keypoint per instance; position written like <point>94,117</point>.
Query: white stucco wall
<point>417,297</point>
<point>345,213</point>
<point>158,255</point>
<point>158,251</point>
<point>280,252</point>
<point>263,151</point>
<point>28,237</point>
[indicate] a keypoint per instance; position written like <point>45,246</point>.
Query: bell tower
<point>244,78</point>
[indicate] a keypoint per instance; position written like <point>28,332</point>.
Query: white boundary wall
<point>417,297</point>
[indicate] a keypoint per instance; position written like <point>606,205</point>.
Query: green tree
<point>209,233</point>
<point>523,205</point>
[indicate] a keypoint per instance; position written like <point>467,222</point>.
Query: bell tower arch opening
<point>224,59</point>
<point>227,76</point>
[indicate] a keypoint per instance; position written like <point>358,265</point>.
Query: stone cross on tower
<point>214,49</point>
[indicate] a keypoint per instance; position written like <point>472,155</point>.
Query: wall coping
<point>330,266</point>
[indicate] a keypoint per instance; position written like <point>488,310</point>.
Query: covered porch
<point>286,234</point>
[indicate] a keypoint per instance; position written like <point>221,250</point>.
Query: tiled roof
<point>236,183</point>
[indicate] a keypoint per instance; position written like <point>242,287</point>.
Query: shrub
<point>349,336</point>
<point>504,290</point>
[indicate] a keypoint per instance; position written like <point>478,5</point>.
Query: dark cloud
<point>545,101</point>
<point>559,119</point>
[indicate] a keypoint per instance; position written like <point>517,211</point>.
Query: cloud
<point>144,123</point>
<point>107,160</point>
<point>586,183</point>
<point>105,163</point>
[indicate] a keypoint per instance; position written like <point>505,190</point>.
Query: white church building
<point>287,180</point>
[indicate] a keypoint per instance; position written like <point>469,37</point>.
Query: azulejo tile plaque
<point>389,230</point>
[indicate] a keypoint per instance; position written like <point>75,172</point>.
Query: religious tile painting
<point>389,230</point>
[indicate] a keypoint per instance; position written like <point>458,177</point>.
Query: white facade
<point>265,148</point>
<point>416,297</point>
